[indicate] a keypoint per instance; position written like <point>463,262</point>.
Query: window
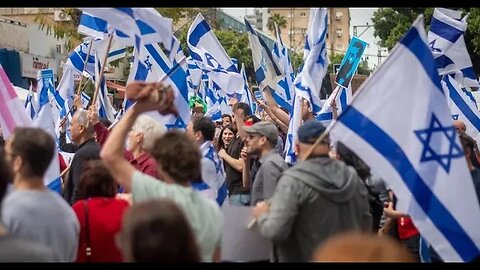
<point>339,47</point>
<point>303,14</point>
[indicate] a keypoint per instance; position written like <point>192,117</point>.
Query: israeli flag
<point>152,65</point>
<point>194,76</point>
<point>246,96</point>
<point>267,72</point>
<point>85,100</point>
<point>66,90</point>
<point>142,25</point>
<point>210,56</point>
<point>417,151</point>
<point>446,40</point>
<point>30,102</point>
<point>342,96</point>
<point>293,125</point>
<point>316,62</point>
<point>104,105</point>
<point>77,58</point>
<point>283,94</point>
<point>45,121</point>
<point>216,100</point>
<point>214,185</point>
<point>462,107</point>
<point>175,54</point>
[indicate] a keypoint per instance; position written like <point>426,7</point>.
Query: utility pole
<point>379,56</point>
<point>291,28</point>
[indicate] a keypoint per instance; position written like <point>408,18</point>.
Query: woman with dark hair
<point>227,134</point>
<point>99,213</point>
<point>157,231</point>
<point>346,155</point>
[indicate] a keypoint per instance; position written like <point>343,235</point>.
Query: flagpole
<point>85,66</point>
<point>102,70</point>
<point>65,118</point>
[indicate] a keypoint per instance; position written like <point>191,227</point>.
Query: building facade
<point>293,35</point>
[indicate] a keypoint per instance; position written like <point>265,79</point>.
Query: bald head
<point>459,126</point>
<point>358,247</point>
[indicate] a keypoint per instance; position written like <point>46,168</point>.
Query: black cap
<point>310,131</point>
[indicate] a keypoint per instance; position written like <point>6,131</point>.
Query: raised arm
<point>272,104</point>
<point>148,99</point>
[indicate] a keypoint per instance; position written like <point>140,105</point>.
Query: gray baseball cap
<point>264,128</point>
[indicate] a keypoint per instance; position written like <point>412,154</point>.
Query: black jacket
<point>89,150</point>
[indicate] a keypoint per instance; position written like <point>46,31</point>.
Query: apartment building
<point>293,35</point>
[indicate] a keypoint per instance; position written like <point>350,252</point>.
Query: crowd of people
<point>140,193</point>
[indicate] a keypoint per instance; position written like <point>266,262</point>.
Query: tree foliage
<point>276,19</point>
<point>391,24</point>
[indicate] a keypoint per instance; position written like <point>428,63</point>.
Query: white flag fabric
<point>246,96</point>
<point>143,25</point>
<point>30,103</point>
<point>210,56</point>
<point>416,150</point>
<point>446,40</point>
<point>267,72</point>
<point>151,66</point>
<point>316,62</point>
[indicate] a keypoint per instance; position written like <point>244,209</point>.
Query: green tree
<point>276,19</point>
<point>390,24</point>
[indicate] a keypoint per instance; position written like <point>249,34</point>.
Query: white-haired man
<point>140,141</point>
<point>81,130</point>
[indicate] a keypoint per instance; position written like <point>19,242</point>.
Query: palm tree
<point>276,19</point>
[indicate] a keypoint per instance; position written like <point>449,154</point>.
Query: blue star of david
<point>428,153</point>
<point>320,59</point>
<point>432,46</point>
<point>148,64</point>
<point>455,116</point>
<point>262,63</point>
<point>209,155</point>
<point>178,124</point>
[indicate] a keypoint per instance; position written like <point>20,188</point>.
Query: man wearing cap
<point>313,200</point>
<point>261,141</point>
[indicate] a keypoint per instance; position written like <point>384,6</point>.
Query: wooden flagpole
<point>102,70</point>
<point>85,66</point>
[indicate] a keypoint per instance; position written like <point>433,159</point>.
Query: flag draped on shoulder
<point>416,151</point>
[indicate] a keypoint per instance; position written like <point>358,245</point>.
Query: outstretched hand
<point>152,96</point>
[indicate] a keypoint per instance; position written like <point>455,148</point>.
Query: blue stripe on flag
<point>417,47</point>
<point>117,52</point>
<point>343,99</point>
<point>93,22</point>
<point>222,193</point>
<point>200,186</point>
<point>260,75</point>
<point>469,73</point>
<point>145,29</point>
<point>458,100</point>
<point>423,195</point>
<point>201,29</point>
<point>324,116</point>
<point>56,186</point>
<point>444,30</point>
<point>443,61</point>
<point>157,58</point>
<point>281,102</point>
